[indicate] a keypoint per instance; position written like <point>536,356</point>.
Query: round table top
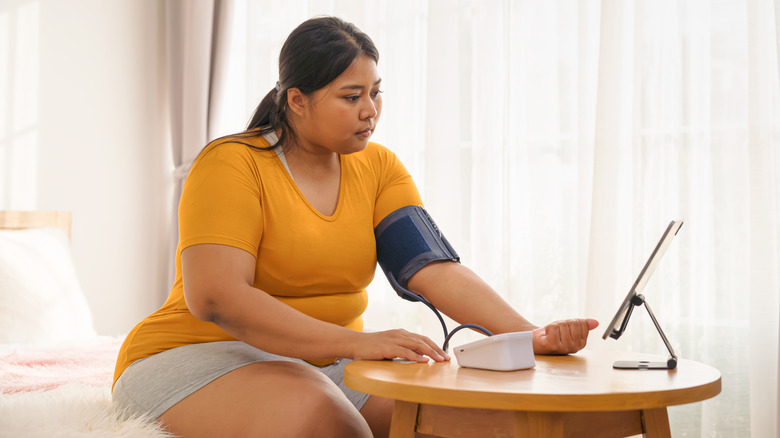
<point>584,381</point>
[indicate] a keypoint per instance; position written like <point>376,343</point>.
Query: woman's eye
<point>356,97</point>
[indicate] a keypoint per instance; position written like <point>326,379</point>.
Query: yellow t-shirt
<point>320,265</point>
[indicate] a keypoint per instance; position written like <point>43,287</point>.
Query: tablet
<point>619,322</point>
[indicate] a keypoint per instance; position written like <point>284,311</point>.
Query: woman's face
<point>341,116</point>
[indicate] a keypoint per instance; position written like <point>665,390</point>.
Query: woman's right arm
<point>218,288</point>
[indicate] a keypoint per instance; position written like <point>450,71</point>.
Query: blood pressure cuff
<point>406,241</point>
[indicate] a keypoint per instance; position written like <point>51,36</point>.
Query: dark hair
<point>314,54</point>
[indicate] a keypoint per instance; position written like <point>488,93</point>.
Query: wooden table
<point>579,395</point>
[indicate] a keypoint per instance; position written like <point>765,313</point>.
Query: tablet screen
<point>618,324</point>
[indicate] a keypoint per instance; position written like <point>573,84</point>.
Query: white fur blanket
<point>65,392</point>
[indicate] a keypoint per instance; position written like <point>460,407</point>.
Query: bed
<point>55,371</point>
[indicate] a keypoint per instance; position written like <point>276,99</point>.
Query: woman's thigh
<point>275,399</point>
<point>153,385</point>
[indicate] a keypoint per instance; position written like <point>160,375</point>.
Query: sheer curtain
<point>198,42</point>
<point>554,141</point>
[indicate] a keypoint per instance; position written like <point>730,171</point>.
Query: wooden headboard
<point>16,220</point>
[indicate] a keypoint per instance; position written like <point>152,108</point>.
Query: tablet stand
<point>670,364</point>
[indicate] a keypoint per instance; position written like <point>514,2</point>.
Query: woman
<point>276,250</point>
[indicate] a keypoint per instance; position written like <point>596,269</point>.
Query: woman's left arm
<point>460,294</point>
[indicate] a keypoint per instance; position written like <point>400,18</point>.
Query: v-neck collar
<point>272,139</point>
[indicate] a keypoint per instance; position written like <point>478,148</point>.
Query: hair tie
<point>278,87</point>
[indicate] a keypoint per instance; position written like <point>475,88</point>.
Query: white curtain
<point>554,141</point>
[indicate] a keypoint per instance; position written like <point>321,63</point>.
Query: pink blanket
<point>33,369</point>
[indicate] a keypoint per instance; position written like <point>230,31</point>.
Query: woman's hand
<point>397,343</point>
<point>563,337</point>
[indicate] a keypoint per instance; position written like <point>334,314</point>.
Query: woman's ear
<point>296,101</point>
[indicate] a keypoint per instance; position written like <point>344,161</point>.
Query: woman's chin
<point>353,147</point>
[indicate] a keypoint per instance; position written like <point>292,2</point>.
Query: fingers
<point>400,343</point>
<point>438,352</point>
<point>417,348</point>
<point>423,346</point>
<point>563,337</point>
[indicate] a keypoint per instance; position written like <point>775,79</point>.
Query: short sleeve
<point>396,187</point>
<point>221,201</point>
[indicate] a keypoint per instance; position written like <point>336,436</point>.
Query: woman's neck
<point>316,162</point>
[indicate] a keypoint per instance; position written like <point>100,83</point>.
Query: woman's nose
<point>369,110</point>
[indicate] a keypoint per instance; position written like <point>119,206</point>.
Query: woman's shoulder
<point>377,153</point>
<point>239,153</point>
<point>376,162</point>
<point>239,146</point>
<point>247,141</point>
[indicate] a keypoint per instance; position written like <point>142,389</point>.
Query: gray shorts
<point>152,385</point>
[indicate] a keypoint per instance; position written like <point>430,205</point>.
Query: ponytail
<point>271,114</point>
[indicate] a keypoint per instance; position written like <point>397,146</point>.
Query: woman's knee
<point>321,407</point>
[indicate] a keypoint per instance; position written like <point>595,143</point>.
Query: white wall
<point>103,149</point>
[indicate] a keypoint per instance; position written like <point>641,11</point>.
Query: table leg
<point>404,421</point>
<point>655,423</point>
